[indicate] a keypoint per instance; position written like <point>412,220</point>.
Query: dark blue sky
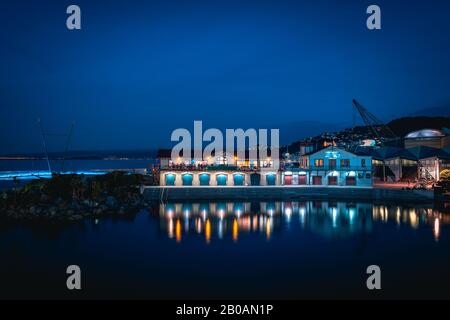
<point>137,70</point>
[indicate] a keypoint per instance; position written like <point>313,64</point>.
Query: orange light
<point>208,231</point>
<point>268,228</point>
<point>178,230</point>
<point>235,230</point>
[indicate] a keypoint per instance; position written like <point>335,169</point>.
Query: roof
<point>167,153</point>
<point>385,153</point>
<point>368,151</point>
<point>425,133</point>
<point>416,153</point>
<point>334,148</point>
<point>395,152</point>
<point>422,152</point>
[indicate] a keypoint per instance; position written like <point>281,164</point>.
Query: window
<point>363,162</point>
<point>345,163</point>
<point>332,163</point>
<point>360,175</point>
<point>318,162</point>
<point>368,175</point>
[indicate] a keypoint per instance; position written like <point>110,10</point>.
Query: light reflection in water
<point>235,230</point>
<point>328,219</point>
<point>178,230</point>
<point>208,231</point>
<point>436,229</point>
<point>170,228</point>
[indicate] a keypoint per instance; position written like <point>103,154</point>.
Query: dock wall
<point>186,193</point>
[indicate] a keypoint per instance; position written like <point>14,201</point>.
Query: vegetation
<point>445,179</point>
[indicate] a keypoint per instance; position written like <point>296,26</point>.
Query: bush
<point>445,179</point>
<point>445,175</point>
<point>69,186</point>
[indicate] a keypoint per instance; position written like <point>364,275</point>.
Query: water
<point>72,165</point>
<point>9,168</point>
<point>307,249</point>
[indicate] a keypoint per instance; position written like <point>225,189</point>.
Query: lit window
<point>318,162</point>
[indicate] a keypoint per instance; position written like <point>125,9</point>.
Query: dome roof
<point>425,133</point>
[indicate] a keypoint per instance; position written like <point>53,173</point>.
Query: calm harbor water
<point>10,167</point>
<point>311,249</point>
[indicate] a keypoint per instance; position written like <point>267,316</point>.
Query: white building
<point>331,166</point>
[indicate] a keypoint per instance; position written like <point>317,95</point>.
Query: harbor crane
<point>380,131</point>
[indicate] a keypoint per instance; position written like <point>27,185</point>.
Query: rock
<point>111,202</point>
<point>74,205</point>
<point>76,217</point>
<point>52,211</point>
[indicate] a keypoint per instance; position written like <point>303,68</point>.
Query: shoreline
<point>194,193</point>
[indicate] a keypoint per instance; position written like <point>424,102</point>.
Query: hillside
<point>403,126</point>
<point>351,137</point>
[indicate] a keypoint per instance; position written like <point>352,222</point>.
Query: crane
<point>380,130</point>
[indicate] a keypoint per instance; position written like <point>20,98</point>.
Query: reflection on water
<point>217,220</point>
<point>268,250</point>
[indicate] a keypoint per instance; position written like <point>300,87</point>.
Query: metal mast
<point>380,130</point>
<point>45,145</point>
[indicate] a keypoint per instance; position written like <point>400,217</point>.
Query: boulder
<point>76,217</point>
<point>111,202</point>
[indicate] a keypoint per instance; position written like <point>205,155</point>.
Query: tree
<point>445,179</point>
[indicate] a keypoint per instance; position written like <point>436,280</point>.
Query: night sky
<point>137,70</point>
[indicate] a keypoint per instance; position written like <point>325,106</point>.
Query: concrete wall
<point>287,193</point>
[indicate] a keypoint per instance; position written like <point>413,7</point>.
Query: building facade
<point>219,176</point>
<point>331,166</point>
<point>327,167</point>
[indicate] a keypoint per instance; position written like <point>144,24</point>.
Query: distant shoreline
<point>67,159</point>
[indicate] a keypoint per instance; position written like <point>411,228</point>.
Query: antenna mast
<point>45,145</point>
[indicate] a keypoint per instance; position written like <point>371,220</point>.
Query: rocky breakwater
<point>74,197</point>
